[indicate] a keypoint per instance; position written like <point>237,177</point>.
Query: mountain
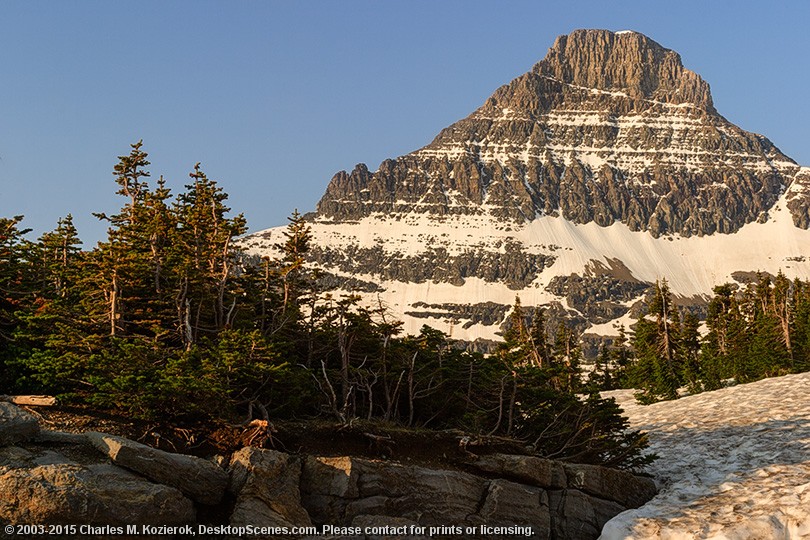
<point>575,186</point>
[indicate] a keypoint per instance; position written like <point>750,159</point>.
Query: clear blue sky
<point>275,97</point>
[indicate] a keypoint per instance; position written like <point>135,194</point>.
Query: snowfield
<point>691,265</point>
<point>734,464</point>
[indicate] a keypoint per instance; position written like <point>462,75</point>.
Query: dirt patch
<point>373,440</point>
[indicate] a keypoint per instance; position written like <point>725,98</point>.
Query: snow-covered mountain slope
<point>575,186</point>
<point>691,265</point>
<point>734,464</point>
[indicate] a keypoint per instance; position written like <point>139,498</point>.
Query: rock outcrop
<point>16,425</point>
<point>45,487</point>
<point>266,486</point>
<point>62,479</point>
<point>202,480</point>
<point>556,500</point>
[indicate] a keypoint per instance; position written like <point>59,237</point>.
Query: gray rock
<point>266,484</point>
<point>61,437</point>
<point>516,504</point>
<point>203,481</point>
<point>16,425</point>
<point>328,484</point>
<point>557,500</point>
<point>627,489</point>
<point>532,470</point>
<point>15,457</point>
<point>334,490</point>
<point>51,489</point>
<point>429,496</point>
<point>578,516</point>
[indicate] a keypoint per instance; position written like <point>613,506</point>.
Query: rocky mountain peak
<point>576,186</point>
<point>609,126</point>
<point>627,62</point>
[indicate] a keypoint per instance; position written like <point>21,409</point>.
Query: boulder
<point>16,425</point>
<point>428,496</point>
<point>50,489</point>
<point>337,490</point>
<point>266,486</point>
<point>579,516</point>
<point>532,470</point>
<point>202,480</point>
<point>516,504</point>
<point>61,437</point>
<point>15,457</point>
<point>627,489</point>
<point>328,484</point>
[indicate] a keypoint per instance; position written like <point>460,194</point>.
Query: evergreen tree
<point>565,369</point>
<point>14,292</point>
<point>294,248</point>
<point>690,353</point>
<point>801,340</point>
<point>51,354</point>
<point>656,347</point>
<point>601,376</point>
<point>621,356</point>
<point>205,259</point>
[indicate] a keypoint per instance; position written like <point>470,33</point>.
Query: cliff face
<point>576,186</point>
<point>609,126</point>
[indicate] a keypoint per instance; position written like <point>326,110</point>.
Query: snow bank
<point>733,464</point>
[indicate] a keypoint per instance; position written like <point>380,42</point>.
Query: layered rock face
<point>607,127</point>
<point>576,186</point>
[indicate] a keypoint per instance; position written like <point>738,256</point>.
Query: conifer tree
<point>14,291</point>
<point>656,346</point>
<point>690,352</point>
<point>205,258</point>
<point>621,357</point>
<point>50,331</point>
<point>121,261</point>
<point>801,340</point>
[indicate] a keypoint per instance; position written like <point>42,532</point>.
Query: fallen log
<point>38,401</point>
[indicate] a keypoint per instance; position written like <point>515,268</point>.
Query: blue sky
<point>275,97</point>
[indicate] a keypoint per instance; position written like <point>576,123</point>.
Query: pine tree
<point>565,369</point>
<point>291,270</point>
<point>622,358</point>
<point>205,258</point>
<point>690,353</point>
<point>14,292</point>
<point>601,376</point>
<point>656,346</point>
<point>801,340</point>
<point>52,354</point>
<point>716,347</point>
<point>122,260</point>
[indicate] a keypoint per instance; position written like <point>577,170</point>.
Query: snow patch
<point>733,464</point>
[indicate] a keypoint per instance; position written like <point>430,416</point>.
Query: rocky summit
<point>577,185</point>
